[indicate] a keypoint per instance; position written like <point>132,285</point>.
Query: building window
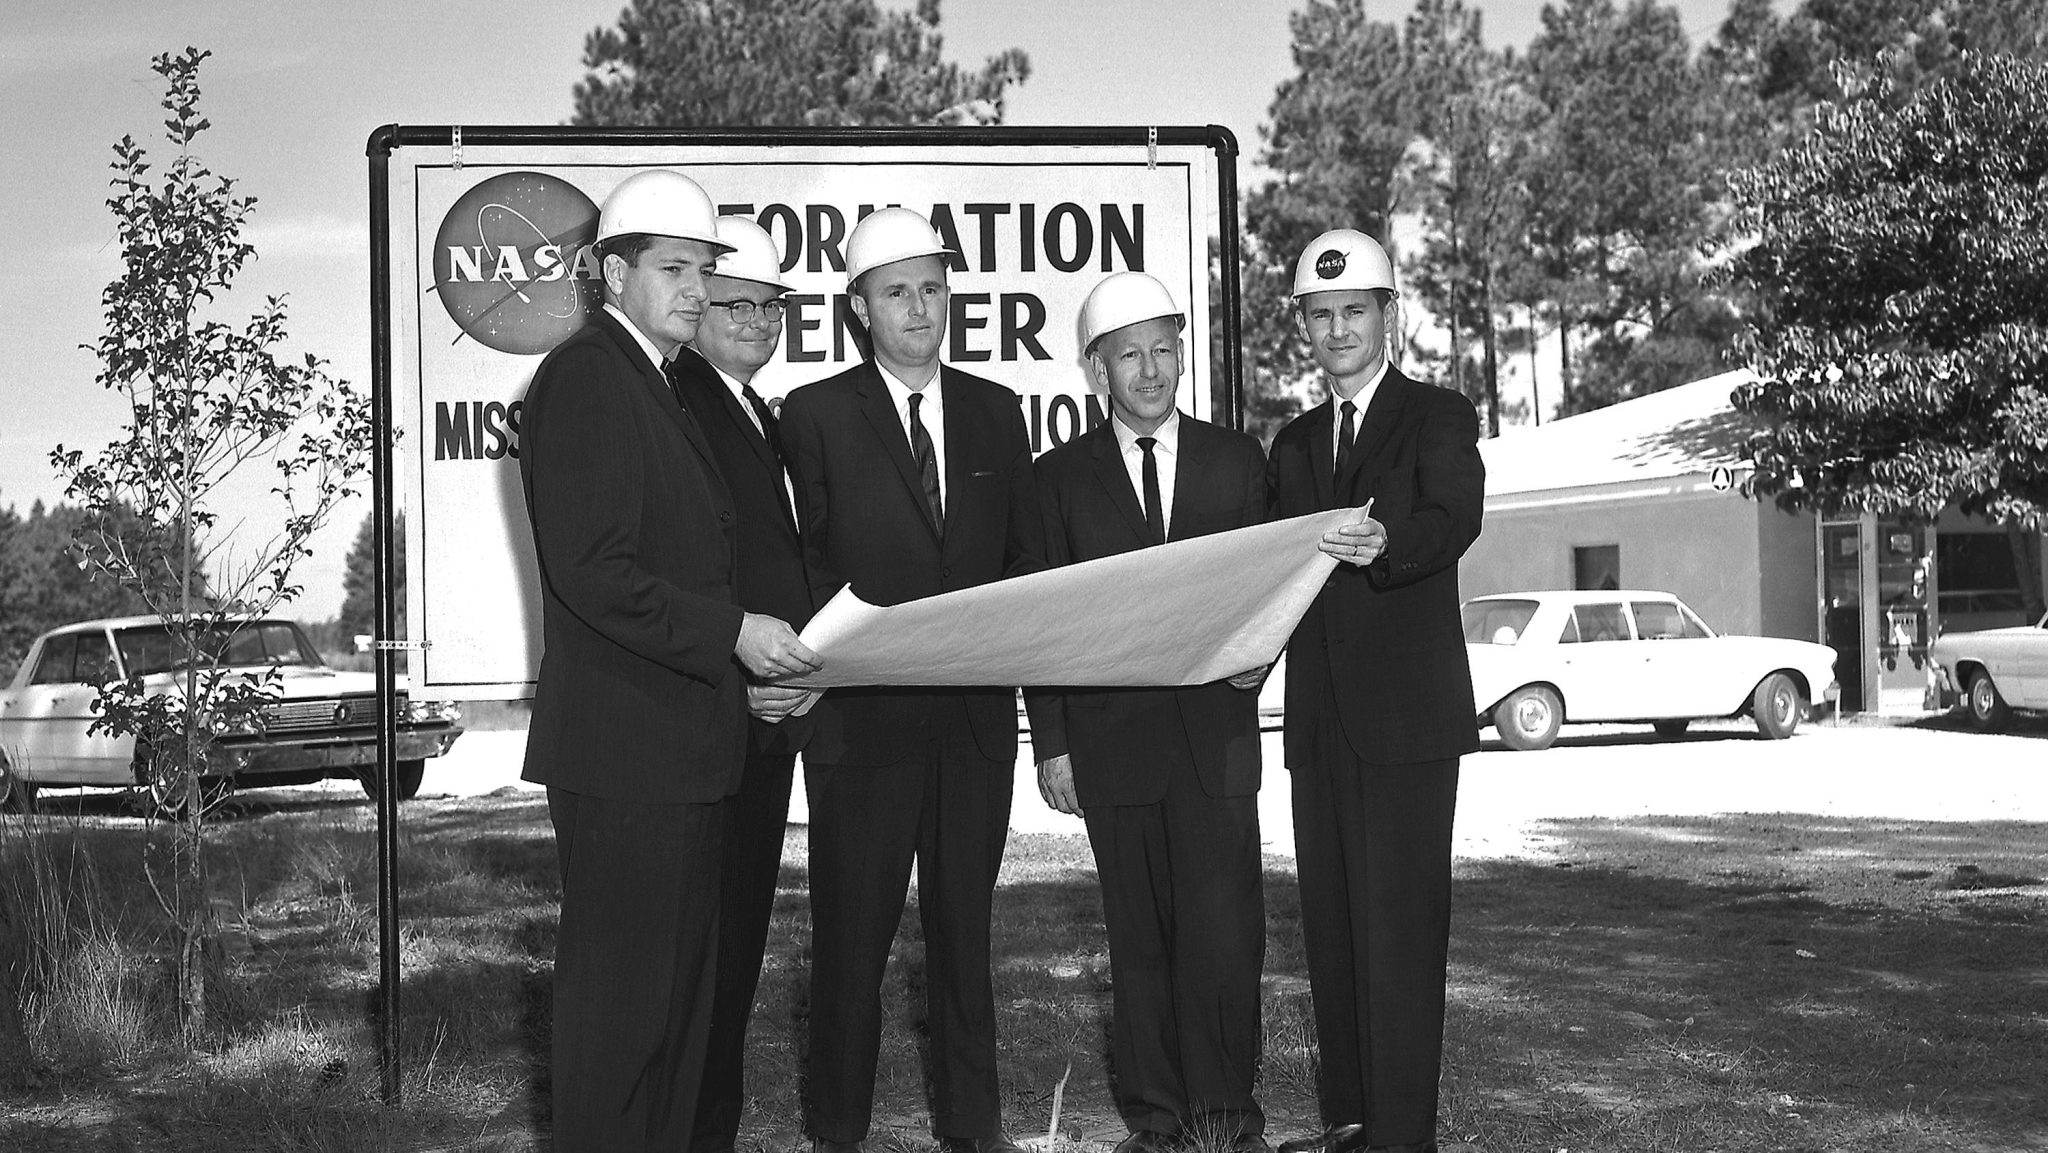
<point>1596,568</point>
<point>1976,573</point>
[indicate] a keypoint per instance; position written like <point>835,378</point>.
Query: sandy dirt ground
<point>1850,770</point>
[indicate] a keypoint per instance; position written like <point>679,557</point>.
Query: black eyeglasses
<point>743,310</point>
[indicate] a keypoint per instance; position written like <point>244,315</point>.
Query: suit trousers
<point>947,807</point>
<point>1183,899</point>
<point>635,960</point>
<point>1373,851</point>
<point>755,820</point>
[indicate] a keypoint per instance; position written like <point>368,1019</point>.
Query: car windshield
<point>1497,622</point>
<point>155,649</point>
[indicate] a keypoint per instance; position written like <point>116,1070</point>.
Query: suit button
<point>946,573</point>
<point>724,516</point>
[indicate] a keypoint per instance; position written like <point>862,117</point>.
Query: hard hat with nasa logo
<point>1340,260</point>
<point>753,254</point>
<point>888,235</point>
<point>1125,298</point>
<point>659,202</point>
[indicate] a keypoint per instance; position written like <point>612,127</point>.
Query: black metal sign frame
<point>383,141</point>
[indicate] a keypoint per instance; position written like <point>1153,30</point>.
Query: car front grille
<point>356,712</point>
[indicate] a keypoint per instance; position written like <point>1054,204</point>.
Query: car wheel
<point>1529,718</point>
<point>1671,728</point>
<point>1777,706</point>
<point>1988,710</point>
<point>410,774</point>
<point>162,792</point>
<point>16,795</point>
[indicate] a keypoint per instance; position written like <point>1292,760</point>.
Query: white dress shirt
<point>1165,459</point>
<point>1362,400</point>
<point>931,413</point>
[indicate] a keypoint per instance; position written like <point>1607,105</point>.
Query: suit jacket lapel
<point>880,410</point>
<point>1374,426</point>
<point>1322,460</point>
<point>764,442</point>
<point>736,411</point>
<point>1193,459</point>
<point>1116,479</point>
<point>660,390</point>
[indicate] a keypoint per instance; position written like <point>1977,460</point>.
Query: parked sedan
<point>323,722</point>
<point>1995,670</point>
<point>1540,659</point>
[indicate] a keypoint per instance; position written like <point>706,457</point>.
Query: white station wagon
<point>322,724</point>
<point>1995,670</point>
<point>1540,659</point>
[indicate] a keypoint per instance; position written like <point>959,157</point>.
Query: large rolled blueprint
<point>1183,613</point>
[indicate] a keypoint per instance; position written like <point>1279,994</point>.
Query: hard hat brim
<point>1392,294</point>
<point>719,247</point>
<point>774,284</point>
<point>852,276</point>
<point>1180,324</point>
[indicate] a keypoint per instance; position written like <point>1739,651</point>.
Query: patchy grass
<point>1738,984</point>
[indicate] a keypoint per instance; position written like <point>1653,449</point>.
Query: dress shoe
<point>1000,1143</point>
<point>1412,1147</point>
<point>1335,1139</point>
<point>821,1145</point>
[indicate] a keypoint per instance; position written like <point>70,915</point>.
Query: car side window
<point>1570,635</point>
<point>95,661</point>
<point>53,667</point>
<point>1662,621</point>
<point>1601,622</point>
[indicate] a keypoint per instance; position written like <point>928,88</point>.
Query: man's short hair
<point>628,246</point>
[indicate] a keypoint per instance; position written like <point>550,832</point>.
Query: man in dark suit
<point>1167,779</point>
<point>914,478</point>
<point>713,375</point>
<point>639,717</point>
<point>1379,700</point>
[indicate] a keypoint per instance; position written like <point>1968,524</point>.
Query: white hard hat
<point>887,236</point>
<point>1125,298</point>
<point>754,254</point>
<point>1342,259</point>
<point>658,202</point>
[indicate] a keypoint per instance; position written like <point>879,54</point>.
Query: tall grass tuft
<point>84,995</point>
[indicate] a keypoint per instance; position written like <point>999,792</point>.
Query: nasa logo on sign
<point>1330,265</point>
<point>514,263</point>
<point>1723,478</point>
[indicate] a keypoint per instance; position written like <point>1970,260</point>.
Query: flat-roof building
<point>1653,493</point>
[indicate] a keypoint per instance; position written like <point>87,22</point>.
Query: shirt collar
<point>1364,396</point>
<point>654,356</point>
<point>901,393</point>
<point>731,382</point>
<point>1167,435</point>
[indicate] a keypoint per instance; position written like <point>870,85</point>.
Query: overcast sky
<point>293,91</point>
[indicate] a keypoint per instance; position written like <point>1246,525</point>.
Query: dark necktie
<point>762,416</point>
<point>1346,433</point>
<point>672,376</point>
<point>927,463</point>
<point>1155,512</point>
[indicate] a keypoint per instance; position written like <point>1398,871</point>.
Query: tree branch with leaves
<point>209,402</point>
<point>1901,265</point>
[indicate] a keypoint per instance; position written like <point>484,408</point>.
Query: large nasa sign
<point>490,265</point>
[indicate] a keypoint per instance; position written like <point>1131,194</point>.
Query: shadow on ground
<point>1776,982</point>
